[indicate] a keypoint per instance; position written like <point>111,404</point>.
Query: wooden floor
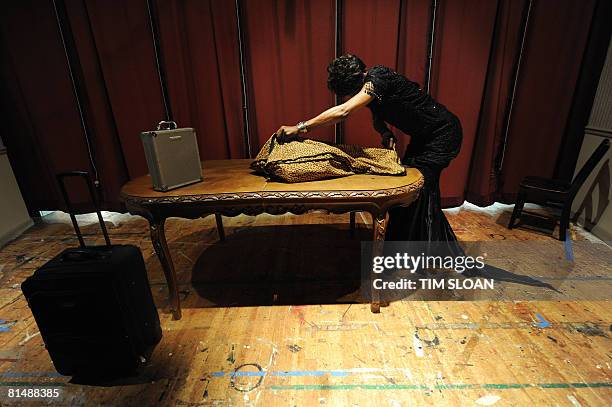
<point>270,319</point>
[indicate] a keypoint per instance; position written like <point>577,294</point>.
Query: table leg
<point>379,226</point>
<point>158,237</point>
<point>352,222</point>
<point>220,229</point>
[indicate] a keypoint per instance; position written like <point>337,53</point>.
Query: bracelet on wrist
<point>302,127</point>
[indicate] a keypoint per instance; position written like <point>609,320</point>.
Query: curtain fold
<point>288,45</point>
<point>199,41</point>
<point>464,33</point>
<point>412,47</point>
<point>42,130</point>
<point>370,31</point>
<point>109,158</point>
<point>483,182</point>
<point>556,40</point>
<point>122,35</point>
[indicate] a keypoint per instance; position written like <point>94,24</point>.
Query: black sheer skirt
<point>424,220</point>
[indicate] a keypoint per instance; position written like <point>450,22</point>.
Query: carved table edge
<point>271,195</point>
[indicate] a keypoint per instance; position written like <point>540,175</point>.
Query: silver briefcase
<point>172,156</point>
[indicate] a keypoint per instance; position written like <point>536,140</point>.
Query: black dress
<point>435,140</point>
<point>436,136</point>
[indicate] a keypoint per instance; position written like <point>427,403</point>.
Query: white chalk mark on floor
<point>28,337</point>
<point>573,400</point>
<point>418,346</point>
<point>488,400</point>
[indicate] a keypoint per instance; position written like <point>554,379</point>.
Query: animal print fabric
<point>310,160</point>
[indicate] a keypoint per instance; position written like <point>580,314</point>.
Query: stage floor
<point>270,318</point>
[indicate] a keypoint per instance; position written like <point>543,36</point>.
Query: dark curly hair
<point>345,75</point>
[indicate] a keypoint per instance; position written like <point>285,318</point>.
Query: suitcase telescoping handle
<point>61,180</point>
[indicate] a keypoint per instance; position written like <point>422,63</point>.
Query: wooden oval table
<point>230,188</point>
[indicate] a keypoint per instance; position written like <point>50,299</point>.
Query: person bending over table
<point>435,132</point>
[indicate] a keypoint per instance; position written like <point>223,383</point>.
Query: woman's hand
<point>287,134</point>
<point>388,140</point>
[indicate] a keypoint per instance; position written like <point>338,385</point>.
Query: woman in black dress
<point>435,138</point>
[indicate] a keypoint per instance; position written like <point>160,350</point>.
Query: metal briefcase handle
<point>166,125</point>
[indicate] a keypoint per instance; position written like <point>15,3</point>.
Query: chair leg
<point>564,222</point>
<point>518,209</point>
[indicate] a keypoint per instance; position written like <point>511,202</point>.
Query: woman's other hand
<point>388,140</point>
<point>287,134</point>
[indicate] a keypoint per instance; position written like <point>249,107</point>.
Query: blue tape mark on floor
<point>569,251</point>
<point>310,373</point>
<point>258,374</point>
<point>5,326</point>
<point>543,322</point>
<point>32,384</point>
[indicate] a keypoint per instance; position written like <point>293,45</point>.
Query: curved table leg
<point>379,226</point>
<point>220,229</point>
<point>158,237</point>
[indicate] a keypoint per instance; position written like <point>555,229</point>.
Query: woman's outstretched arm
<point>330,116</point>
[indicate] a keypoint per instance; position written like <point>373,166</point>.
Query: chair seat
<point>554,192</point>
<point>545,184</point>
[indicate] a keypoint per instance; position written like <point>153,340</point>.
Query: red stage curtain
<point>123,39</point>
<point>109,156</point>
<point>556,40</point>
<point>370,31</point>
<point>199,42</point>
<point>41,125</point>
<point>413,47</point>
<point>385,32</point>
<point>483,177</point>
<point>463,39</point>
<point>413,39</point>
<point>288,45</point>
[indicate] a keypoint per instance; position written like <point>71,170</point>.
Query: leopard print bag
<point>311,160</point>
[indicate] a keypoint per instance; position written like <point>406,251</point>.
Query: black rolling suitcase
<point>93,305</point>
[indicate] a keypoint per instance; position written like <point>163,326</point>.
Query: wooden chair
<point>556,193</point>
